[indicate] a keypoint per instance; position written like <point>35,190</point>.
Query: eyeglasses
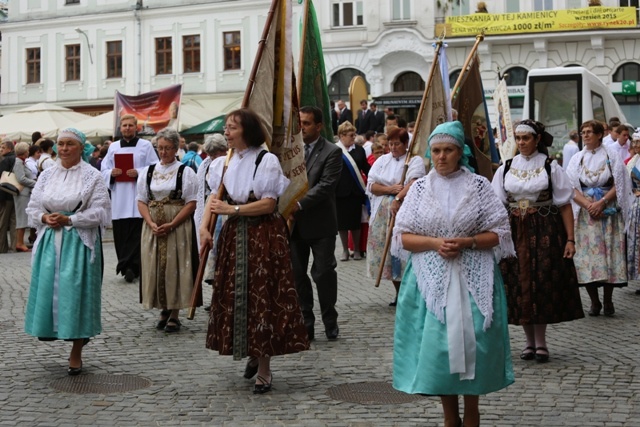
<point>586,132</point>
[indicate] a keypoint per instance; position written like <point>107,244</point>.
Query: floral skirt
<point>600,250</point>
<point>393,266</point>
<point>633,241</point>
<point>254,307</point>
<point>541,285</point>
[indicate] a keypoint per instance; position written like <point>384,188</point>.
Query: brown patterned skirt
<point>254,302</point>
<point>541,285</point>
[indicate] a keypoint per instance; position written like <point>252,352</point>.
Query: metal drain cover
<point>100,384</point>
<point>371,393</point>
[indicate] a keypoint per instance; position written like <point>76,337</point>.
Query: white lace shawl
<point>479,211</point>
<point>621,180</point>
<point>60,189</point>
<point>200,201</point>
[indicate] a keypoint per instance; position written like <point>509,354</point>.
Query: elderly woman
<point>451,333</point>
<point>69,206</point>
<point>541,283</point>
<point>601,206</point>
<point>633,236</point>
<point>351,188</point>
<point>387,190</point>
<point>20,202</point>
<point>254,308</point>
<point>166,194</point>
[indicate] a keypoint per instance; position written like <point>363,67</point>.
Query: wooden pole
<point>465,68</point>
<point>425,95</point>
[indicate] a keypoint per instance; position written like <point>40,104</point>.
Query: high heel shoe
<point>251,369</point>
<point>264,387</point>
<point>74,371</point>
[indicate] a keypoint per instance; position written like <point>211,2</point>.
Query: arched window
<point>408,82</point>
<point>628,74</point>
<point>340,81</point>
<point>453,78</point>
<point>516,76</point>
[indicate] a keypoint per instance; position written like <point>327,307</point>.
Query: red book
<point>124,161</point>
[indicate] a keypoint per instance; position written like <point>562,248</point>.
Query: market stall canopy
<point>48,119</point>
<point>210,126</point>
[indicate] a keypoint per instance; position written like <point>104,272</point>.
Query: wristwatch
<point>237,209</point>
<point>398,199</point>
<point>69,222</point>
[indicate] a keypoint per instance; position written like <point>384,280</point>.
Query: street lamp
<point>79,31</point>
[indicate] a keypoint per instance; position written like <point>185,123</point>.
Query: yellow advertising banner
<point>590,18</point>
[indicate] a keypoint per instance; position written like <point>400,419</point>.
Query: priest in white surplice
<point>127,222</point>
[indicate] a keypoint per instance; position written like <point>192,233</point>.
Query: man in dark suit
<point>316,226</point>
<point>365,118</point>
<point>345,113</point>
<point>334,118</point>
<point>377,124</point>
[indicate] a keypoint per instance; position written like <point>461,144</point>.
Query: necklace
<point>525,175</point>
<point>160,177</point>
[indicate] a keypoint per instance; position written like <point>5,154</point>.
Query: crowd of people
<point>467,257</point>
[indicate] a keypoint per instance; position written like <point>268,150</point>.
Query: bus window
<point>598,107</point>
<point>556,101</point>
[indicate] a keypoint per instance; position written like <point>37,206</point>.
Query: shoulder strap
<point>258,160</point>
<point>547,167</point>
<point>507,166</point>
<point>149,176</point>
<point>178,189</point>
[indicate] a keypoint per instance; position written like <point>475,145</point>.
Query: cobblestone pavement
<point>591,380</point>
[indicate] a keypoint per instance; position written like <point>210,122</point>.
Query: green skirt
<point>64,301</point>
<point>421,354</point>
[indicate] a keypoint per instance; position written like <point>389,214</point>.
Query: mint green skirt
<point>64,302</point>
<point>421,354</point>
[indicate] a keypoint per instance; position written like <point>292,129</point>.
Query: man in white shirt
<point>612,136</point>
<point>570,148</point>
<point>127,221</point>
<point>622,145</point>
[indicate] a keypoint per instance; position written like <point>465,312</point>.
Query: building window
<point>543,5</point>
<point>72,2</point>
<point>191,54</point>
<point>340,81</point>
<point>114,59</point>
<point>628,75</point>
<point>516,76</point>
<point>513,6</point>
<point>408,82</point>
<point>575,4</point>
<point>33,65</point>
<point>629,3</point>
<point>232,50</point>
<point>459,8</point>
<point>164,62</point>
<point>401,10</point>
<point>72,61</point>
<point>347,13</point>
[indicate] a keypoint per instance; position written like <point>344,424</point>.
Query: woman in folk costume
<point>166,193</point>
<point>69,206</point>
<point>386,191</point>
<point>541,283</point>
<point>601,207</point>
<point>451,333</point>
<point>350,191</point>
<point>633,236</point>
<point>254,308</point>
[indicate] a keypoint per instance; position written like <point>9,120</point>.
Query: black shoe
<point>332,333</point>
<point>393,303</point>
<point>163,322</point>
<point>637,291</point>
<point>595,310</point>
<point>129,275</point>
<point>74,371</point>
<point>207,308</point>
<point>609,310</point>
<point>311,333</point>
<point>251,369</point>
<point>173,325</point>
<point>529,353</point>
<point>264,387</point>
<point>542,357</point>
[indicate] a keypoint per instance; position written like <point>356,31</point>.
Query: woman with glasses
<point>633,236</point>
<point>541,283</point>
<point>601,207</point>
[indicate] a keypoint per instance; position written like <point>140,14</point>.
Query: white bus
<point>564,98</point>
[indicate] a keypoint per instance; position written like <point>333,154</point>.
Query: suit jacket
<point>345,116</point>
<point>334,121</point>
<point>379,121</point>
<point>317,219</point>
<point>364,122</point>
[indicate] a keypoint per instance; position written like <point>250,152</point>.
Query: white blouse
<point>163,182</point>
<point>387,170</point>
<point>527,178</point>
<point>269,181</point>
<point>595,170</point>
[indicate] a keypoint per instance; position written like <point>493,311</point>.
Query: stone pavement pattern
<point>591,380</point>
